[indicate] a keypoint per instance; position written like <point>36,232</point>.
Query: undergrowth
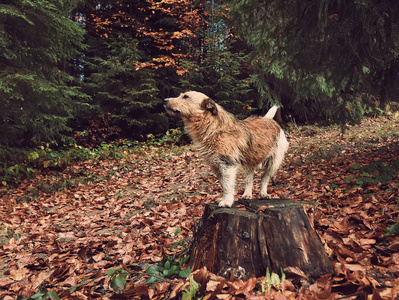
<point>375,173</point>
<point>17,164</point>
<point>170,267</point>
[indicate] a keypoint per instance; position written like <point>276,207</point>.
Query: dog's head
<point>190,104</point>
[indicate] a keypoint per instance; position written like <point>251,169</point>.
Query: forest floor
<point>61,231</point>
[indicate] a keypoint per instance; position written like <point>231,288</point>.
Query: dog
<point>228,144</point>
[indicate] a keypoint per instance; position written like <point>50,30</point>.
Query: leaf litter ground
<point>64,230</point>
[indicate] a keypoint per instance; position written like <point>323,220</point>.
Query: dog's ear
<point>209,104</point>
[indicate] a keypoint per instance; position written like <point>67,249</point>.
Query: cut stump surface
<point>245,240</point>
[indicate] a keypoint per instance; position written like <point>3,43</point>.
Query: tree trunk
<point>255,235</point>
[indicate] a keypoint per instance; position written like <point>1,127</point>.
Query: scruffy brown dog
<point>228,144</point>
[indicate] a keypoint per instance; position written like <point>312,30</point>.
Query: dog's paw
<point>225,202</point>
<point>265,196</point>
<point>246,196</point>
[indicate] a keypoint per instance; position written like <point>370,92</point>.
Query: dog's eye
<point>185,97</point>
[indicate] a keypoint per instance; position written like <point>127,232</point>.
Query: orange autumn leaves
<point>164,28</point>
<point>122,213</point>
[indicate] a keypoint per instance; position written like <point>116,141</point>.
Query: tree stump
<point>257,235</point>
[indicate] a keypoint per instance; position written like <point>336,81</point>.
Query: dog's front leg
<point>227,177</point>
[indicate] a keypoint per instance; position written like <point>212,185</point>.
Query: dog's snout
<point>166,100</point>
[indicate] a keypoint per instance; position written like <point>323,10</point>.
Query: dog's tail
<point>271,113</point>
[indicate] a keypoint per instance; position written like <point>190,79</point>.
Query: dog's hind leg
<point>227,177</point>
<point>249,183</point>
<point>272,164</point>
<point>263,185</point>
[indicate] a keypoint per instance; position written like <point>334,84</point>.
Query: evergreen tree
<point>223,72</point>
<point>332,54</point>
<point>124,91</point>
<point>37,97</point>
<point>223,76</point>
<point>163,30</point>
<point>135,58</point>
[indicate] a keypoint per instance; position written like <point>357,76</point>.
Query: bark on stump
<point>270,234</point>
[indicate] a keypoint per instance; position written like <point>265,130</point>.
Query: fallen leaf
<point>5,281</point>
<point>98,256</point>
<point>18,274</point>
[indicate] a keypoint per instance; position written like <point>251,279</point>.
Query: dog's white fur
<point>228,144</point>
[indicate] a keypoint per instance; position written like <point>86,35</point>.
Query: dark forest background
<point>97,70</point>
